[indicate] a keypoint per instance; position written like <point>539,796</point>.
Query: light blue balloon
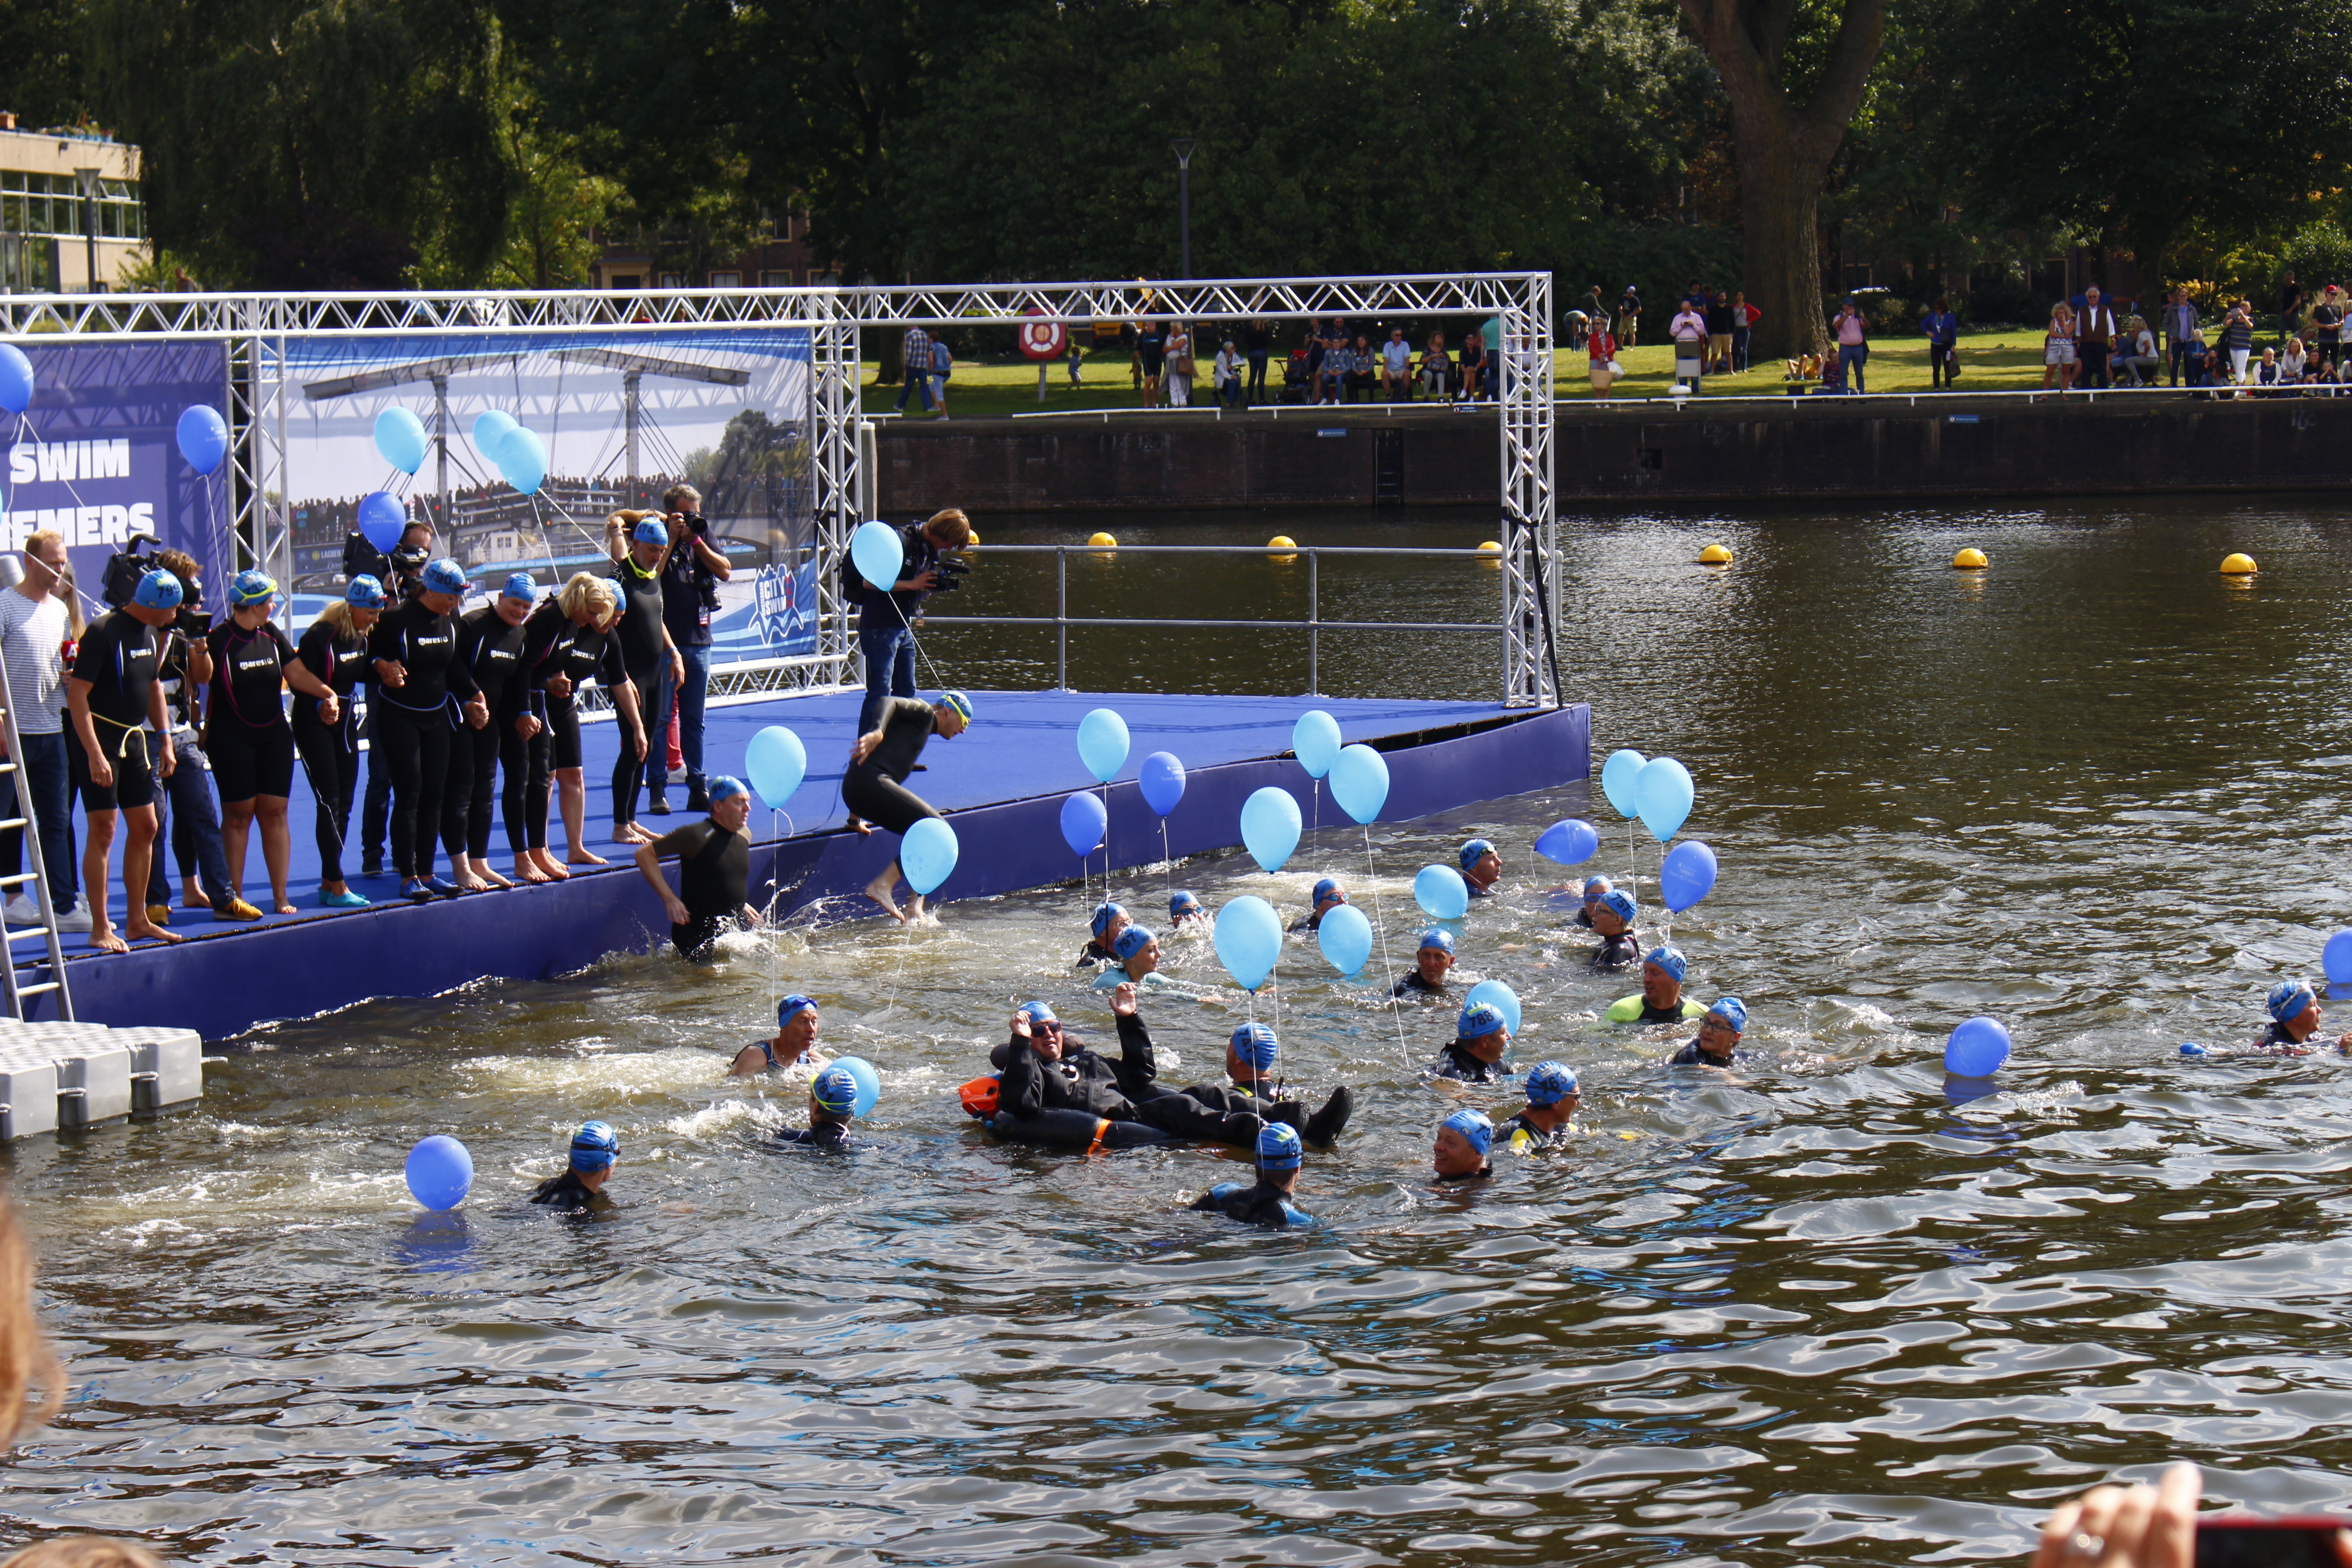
<point>440,1172</point>
<point>522,460</point>
<point>1977,1049</point>
<point>1440,890</point>
<point>1270,826</point>
<point>776,763</point>
<point>2336,957</point>
<point>1346,938</point>
<point>1083,821</point>
<point>1359,782</point>
<point>1102,743</point>
<point>1316,739</point>
<point>202,435</point>
<point>877,553</point>
<point>1249,939</point>
<point>1572,841</point>
<point>1162,779</point>
<point>15,379</point>
<point>1664,792</point>
<point>383,517</point>
<point>1617,775</point>
<point>1505,1000</point>
<point>869,1082</point>
<point>927,853</point>
<point>400,439</point>
<point>1687,876</point>
<point>491,429</point>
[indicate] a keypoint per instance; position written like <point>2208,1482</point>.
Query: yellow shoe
<point>159,914</point>
<point>236,909</point>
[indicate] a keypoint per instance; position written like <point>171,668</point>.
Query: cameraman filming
<point>885,636</point>
<point>691,575</point>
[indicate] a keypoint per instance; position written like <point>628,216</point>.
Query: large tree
<point>1789,116</point>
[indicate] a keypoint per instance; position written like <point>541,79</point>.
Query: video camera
<point>951,574</point>
<point>126,567</point>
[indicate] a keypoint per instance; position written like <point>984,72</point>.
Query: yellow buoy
<point>1281,542</point>
<point>1970,560</point>
<point>1716,556</point>
<point>1103,542</point>
<point>973,540</point>
<point>2238,565</point>
<point>1490,548</point>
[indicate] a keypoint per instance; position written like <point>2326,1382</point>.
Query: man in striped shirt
<point>34,626</point>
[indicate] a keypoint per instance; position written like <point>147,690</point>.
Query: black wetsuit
<point>714,877</point>
<point>1095,953</point>
<point>491,651</point>
<point>1121,1091</point>
<point>566,1193</point>
<point>412,723</point>
<point>118,657</point>
<point>1258,1204</point>
<point>824,1135</point>
<point>1413,984</point>
<point>1583,917</point>
<point>1691,1055</point>
<point>1617,952</point>
<point>638,638</point>
<point>246,737</point>
<point>876,788</point>
<point>1650,1015</point>
<point>1456,1062</point>
<point>330,752</point>
<point>1537,1136</point>
<point>2277,1042</point>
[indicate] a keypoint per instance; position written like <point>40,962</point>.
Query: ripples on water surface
<point>1823,1314</point>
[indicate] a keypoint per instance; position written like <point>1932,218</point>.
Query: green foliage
<point>41,61</point>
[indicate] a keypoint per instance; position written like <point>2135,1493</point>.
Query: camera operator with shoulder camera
<point>691,575</point>
<point>885,636</point>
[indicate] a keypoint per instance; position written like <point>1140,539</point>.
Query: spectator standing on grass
<point>1601,352</point>
<point>1257,342</point>
<point>35,622</point>
<point>2094,330</point>
<point>917,355</point>
<point>942,367</point>
<point>2058,348</point>
<point>1629,319</point>
<point>1743,317</point>
<point>1852,334</point>
<point>2290,300</point>
<point>2179,321</point>
<point>1152,359</point>
<point>1720,324</point>
<point>1596,311</point>
<point>1943,331</point>
<point>1180,366</point>
<point>2238,341</point>
<point>1688,328</point>
<point>2327,328</point>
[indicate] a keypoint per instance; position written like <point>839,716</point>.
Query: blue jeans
<point>1851,357</point>
<point>689,699</point>
<point>889,653</point>
<point>185,814</point>
<point>45,780</point>
<point>920,386</point>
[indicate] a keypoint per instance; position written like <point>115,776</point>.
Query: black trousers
<point>1943,364</point>
<point>1181,1116</point>
<point>415,748</point>
<point>376,811</point>
<point>470,792</point>
<point>333,763</point>
<point>524,800</point>
<point>628,768</point>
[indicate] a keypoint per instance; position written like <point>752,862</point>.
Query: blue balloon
<point>927,853</point>
<point>1359,782</point>
<point>400,439</point>
<point>491,429</point>
<point>2336,957</point>
<point>1687,876</point>
<point>877,553</point>
<point>383,516</point>
<point>203,436</point>
<point>1977,1048</point>
<point>1270,826</point>
<point>522,460</point>
<point>869,1082</point>
<point>1572,841</point>
<point>440,1172</point>
<point>1505,1001</point>
<point>15,379</point>
<point>1316,739</point>
<point>1249,939</point>
<point>1346,938</point>
<point>1102,743</point>
<point>1083,822</point>
<point>1617,775</point>
<point>1162,781</point>
<point>777,763</point>
<point>1440,891</point>
<point>1664,792</point>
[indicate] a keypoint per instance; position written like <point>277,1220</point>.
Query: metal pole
<point>1184,145</point>
<point>629,428</point>
<point>89,180</point>
<point>1314,617</point>
<point>441,448</point>
<point>1061,618</point>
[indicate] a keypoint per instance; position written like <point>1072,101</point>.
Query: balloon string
<point>1371,875</point>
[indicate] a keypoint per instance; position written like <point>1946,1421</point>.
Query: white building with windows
<point>69,210</point>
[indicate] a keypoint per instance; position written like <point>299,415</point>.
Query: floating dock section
<point>70,1074</point>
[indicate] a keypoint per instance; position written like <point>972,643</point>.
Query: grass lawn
<point>2009,360</point>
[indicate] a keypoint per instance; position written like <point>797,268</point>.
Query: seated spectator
<point>2265,377</point>
<point>1228,370</point>
<point>1474,369</point>
<point>1396,367</point>
<point>2136,352</point>
<point>2292,362</point>
<point>1363,370</point>
<point>1437,369</point>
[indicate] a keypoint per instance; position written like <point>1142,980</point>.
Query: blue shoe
<point>416,888</point>
<point>440,888</point>
<point>346,899</point>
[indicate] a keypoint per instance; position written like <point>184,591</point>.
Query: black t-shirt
<point>907,725</point>
<point>1718,319</point>
<point>117,656</point>
<point>1257,338</point>
<point>639,635</point>
<point>425,646</point>
<point>248,671</point>
<point>491,651</point>
<point>683,581</point>
<point>714,867</point>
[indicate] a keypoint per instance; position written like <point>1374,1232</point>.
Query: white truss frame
<point>257,328</point>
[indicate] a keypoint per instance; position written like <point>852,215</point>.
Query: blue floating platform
<point>1000,784</point>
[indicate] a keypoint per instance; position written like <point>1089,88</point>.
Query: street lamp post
<point>90,190</point>
<point>1184,145</point>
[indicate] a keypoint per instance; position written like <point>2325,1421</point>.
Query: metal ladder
<point>19,997</point>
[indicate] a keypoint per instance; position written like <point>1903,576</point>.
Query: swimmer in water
<point>1481,1041</point>
<point>833,1100</point>
<point>1042,1071</point>
<point>1267,1202</point>
<point>581,1187</point>
<point>1249,1065</point>
<point>2295,1017</point>
<point>1612,917</point>
<point>1432,962</point>
<point>1595,890</point>
<point>1463,1139</point>
<point>794,1047</point>
<point>874,787</point>
<point>1718,1037</point>
<point>1328,896</point>
<point>1482,868</point>
<point>1662,1000</point>
<point>1184,910</point>
<point>1137,952</point>
<point>1548,1117</point>
<point>1110,919</point>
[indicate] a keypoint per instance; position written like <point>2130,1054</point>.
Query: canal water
<point>1829,1309</point>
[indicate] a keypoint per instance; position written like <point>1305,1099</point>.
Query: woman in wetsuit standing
<point>875,787</point>
<point>644,643</point>
<point>490,644</point>
<point>246,737</point>
<point>564,643</point>
<point>418,683</point>
<point>334,648</point>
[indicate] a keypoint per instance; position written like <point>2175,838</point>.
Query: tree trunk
<point>1779,211</point>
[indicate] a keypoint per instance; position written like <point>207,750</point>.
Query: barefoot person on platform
<point>118,713</point>
<point>875,788</point>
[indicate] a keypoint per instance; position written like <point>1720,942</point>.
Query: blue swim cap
<point>650,531</point>
<point>1670,959</point>
<point>726,786</point>
<point>791,1006</point>
<point>159,590</point>
<point>1596,885</point>
<point>1325,888</point>
<point>1550,1083</point>
<point>1477,850</point>
<point>1474,1126</point>
<point>1441,939</point>
<point>1103,913</point>
<point>1480,1021</point>
<point>1183,904</point>
<point>445,576</point>
<point>364,592</point>
<point>1254,1044</point>
<point>959,701</point>
<point>521,586</point>
<point>835,1091</point>
<point>2288,998</point>
<point>1620,902</point>
<point>595,1147</point>
<point>1039,1013</point>
<point>1279,1148</point>
<point>250,587</point>
<point>1131,942</point>
<point>1732,1010</point>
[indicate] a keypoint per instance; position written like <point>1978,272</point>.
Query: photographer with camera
<point>886,634</point>
<point>690,575</point>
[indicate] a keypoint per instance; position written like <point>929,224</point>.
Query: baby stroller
<point>1296,381</point>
